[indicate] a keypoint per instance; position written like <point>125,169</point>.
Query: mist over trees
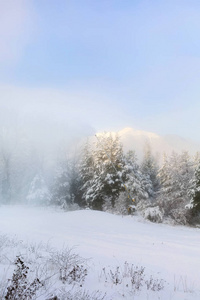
<point>99,175</point>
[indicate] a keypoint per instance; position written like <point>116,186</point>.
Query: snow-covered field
<point>168,253</point>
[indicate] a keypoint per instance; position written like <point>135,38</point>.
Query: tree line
<point>102,177</point>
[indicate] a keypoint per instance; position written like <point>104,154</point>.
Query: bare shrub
<point>20,287</point>
<point>113,276</point>
<point>154,284</point>
<point>132,277</point>
<point>69,265</point>
<point>79,295</point>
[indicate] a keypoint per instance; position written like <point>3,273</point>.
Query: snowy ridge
<point>133,139</point>
<point>134,132</point>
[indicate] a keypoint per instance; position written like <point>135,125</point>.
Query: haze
<point>101,65</point>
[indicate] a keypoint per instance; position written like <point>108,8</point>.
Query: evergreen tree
<point>38,193</point>
<point>165,177</point>
<point>175,177</point>
<point>67,183</point>
<point>134,178</point>
<point>108,169</point>
<point>169,175</point>
<point>61,187</point>
<point>173,180</point>
<point>149,169</point>
<point>75,181</point>
<point>87,172</point>
<point>195,192</point>
<point>186,174</point>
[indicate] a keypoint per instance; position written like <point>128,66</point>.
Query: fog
<point>70,70</point>
<point>37,132</point>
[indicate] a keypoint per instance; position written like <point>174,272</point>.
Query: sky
<point>102,65</point>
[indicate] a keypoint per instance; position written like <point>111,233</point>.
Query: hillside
<point>136,139</point>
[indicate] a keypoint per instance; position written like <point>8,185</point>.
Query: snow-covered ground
<point>167,252</point>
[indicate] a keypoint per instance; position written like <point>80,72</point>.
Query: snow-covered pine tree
<point>113,167</point>
<point>39,193</point>
<point>149,169</point>
<point>61,187</point>
<point>75,181</point>
<point>195,192</point>
<point>66,189</point>
<point>165,177</point>
<point>28,164</point>
<point>134,178</point>
<point>175,176</point>
<point>105,184</point>
<point>187,173</point>
<point>169,179</point>
<point>87,172</point>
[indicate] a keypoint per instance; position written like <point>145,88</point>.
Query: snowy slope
<point>170,253</point>
<point>133,139</point>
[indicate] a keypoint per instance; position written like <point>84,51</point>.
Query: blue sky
<point>110,63</point>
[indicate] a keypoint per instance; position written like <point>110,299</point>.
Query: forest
<point>98,175</point>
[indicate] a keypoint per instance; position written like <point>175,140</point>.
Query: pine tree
<point>75,181</point>
<point>169,175</point>
<point>61,187</point>
<point>38,192</point>
<point>149,169</point>
<point>175,177</point>
<point>66,190</point>
<point>87,172</point>
<point>134,178</point>
<point>195,201</point>
<point>108,169</point>
<point>187,173</point>
<point>165,177</point>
